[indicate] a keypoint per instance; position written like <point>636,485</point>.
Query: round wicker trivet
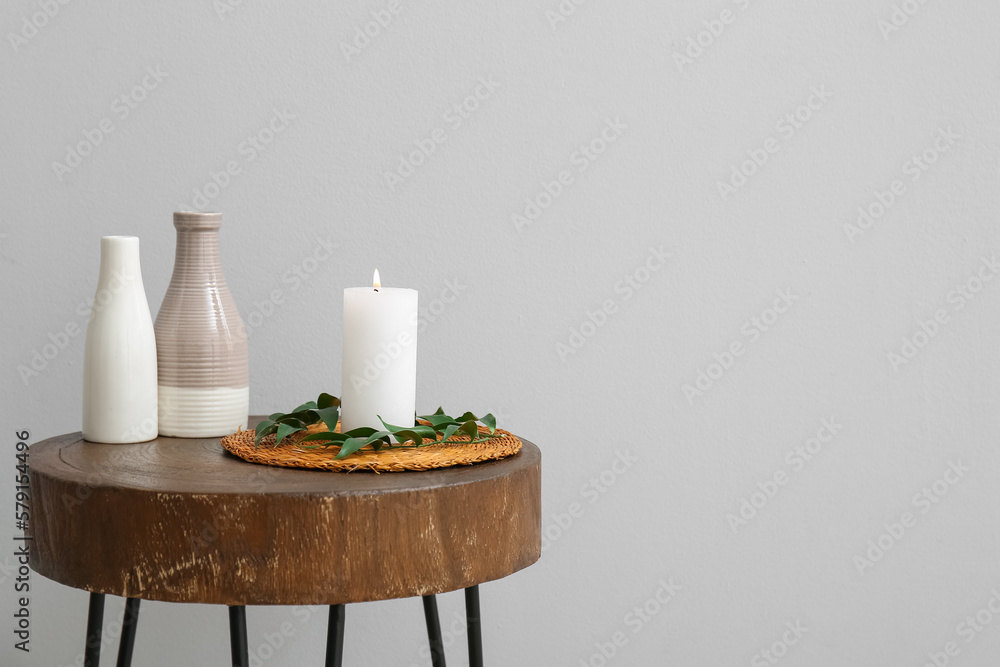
<point>457,451</point>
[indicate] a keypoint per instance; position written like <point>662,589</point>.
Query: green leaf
<point>392,428</point>
<point>326,401</point>
<point>449,431</point>
<point>325,435</point>
<point>403,435</point>
<point>350,446</point>
<point>437,421</point>
<point>437,413</point>
<point>376,439</point>
<point>330,416</point>
<point>490,421</point>
<point>263,429</point>
<point>361,432</point>
<point>435,427</point>
<point>285,430</point>
<point>294,425</point>
<point>470,429</point>
<point>303,416</point>
<point>428,431</point>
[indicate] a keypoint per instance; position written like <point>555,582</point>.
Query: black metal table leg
<point>475,625</point>
<point>335,637</point>
<point>95,621</point>
<point>128,633</point>
<point>434,630</point>
<point>238,636</point>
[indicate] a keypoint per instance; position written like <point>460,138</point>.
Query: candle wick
<point>375,288</point>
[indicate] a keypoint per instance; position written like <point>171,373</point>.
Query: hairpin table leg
<point>129,623</point>
<point>238,636</point>
<point>335,637</point>
<point>434,631</point>
<point>95,621</point>
<point>474,622</point>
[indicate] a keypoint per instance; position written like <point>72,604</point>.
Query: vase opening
<point>195,221</point>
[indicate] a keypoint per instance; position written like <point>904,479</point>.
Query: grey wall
<point>902,112</point>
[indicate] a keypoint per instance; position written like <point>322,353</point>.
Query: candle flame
<point>376,281</point>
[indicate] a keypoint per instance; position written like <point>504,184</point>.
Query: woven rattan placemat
<point>457,451</point>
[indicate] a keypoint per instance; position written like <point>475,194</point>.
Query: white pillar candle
<point>379,371</point>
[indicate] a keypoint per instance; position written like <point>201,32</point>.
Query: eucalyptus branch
<point>427,430</point>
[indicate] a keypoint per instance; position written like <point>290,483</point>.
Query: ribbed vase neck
<point>197,257</point>
<point>189,220</point>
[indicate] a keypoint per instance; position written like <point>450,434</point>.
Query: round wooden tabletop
<point>181,520</point>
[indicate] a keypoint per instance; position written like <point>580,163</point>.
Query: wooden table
<point>181,520</point>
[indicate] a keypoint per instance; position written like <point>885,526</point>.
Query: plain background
<point>500,296</point>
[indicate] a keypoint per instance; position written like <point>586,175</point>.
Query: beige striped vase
<point>201,344</point>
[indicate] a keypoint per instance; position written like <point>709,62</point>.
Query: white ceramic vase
<point>119,361</point>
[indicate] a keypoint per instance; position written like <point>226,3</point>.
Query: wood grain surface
<point>182,520</point>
